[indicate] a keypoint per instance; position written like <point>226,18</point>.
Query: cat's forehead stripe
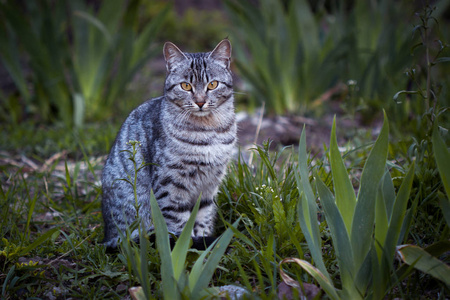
<point>198,68</point>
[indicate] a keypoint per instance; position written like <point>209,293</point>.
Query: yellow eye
<point>212,85</point>
<point>186,86</point>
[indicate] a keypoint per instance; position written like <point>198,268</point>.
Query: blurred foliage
<point>69,60</point>
<point>291,53</point>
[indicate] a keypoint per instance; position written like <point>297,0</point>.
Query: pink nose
<point>200,104</point>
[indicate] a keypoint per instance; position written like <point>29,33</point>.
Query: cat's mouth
<point>201,112</point>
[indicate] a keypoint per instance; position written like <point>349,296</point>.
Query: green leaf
<point>169,285</point>
<point>37,242</point>
<point>280,217</point>
<point>343,188</point>
<point>339,236</point>
<point>442,156</point>
<point>398,214</point>
<point>143,252</point>
<point>425,262</point>
<point>381,216</point>
<point>32,204</point>
<point>181,248</point>
<point>364,214</point>
<point>442,59</point>
<point>69,185</point>
<point>201,272</point>
<point>307,207</point>
<point>404,92</point>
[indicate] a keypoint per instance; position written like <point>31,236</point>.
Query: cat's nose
<point>200,104</point>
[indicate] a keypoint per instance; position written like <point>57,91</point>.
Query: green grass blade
<point>343,188</point>
<point>169,284</point>
<point>307,208</point>
<point>364,215</point>
<point>381,217</point>
<point>201,274</point>
<point>398,214</point>
<point>388,193</point>
<point>425,262</point>
<point>32,204</point>
<point>181,248</point>
<point>143,251</point>
<point>96,23</point>
<point>41,239</point>
<point>341,240</point>
<point>442,157</point>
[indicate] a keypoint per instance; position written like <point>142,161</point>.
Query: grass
<point>51,229</point>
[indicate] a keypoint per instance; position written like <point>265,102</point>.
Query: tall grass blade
<point>398,214</point>
<point>442,157</point>
<point>343,188</point>
<point>381,216</point>
<point>143,252</point>
<point>181,248</point>
<point>202,273</point>
<point>364,215</point>
<point>169,285</point>
<point>307,208</point>
<point>37,242</point>
<point>32,204</point>
<point>340,238</point>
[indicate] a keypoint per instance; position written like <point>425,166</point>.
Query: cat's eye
<point>212,85</point>
<point>186,86</point>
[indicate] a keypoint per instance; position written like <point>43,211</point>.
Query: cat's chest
<point>200,148</point>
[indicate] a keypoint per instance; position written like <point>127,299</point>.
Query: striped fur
<point>189,135</point>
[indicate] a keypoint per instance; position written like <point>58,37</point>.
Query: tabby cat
<point>188,135</point>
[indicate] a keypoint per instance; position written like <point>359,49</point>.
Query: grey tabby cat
<point>189,134</point>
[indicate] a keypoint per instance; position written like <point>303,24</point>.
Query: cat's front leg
<point>204,222</point>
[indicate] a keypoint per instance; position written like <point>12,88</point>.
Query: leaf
<point>325,283</point>
<point>343,188</point>
<point>364,214</point>
<point>442,156</point>
<point>339,236</point>
<point>30,214</point>
<point>280,217</point>
<point>307,207</point>
<point>404,92</point>
<point>95,22</point>
<point>181,248</point>
<point>41,239</point>
<point>143,252</point>
<point>169,285</point>
<point>398,214</point>
<point>69,185</point>
<point>381,217</point>
<point>425,262</point>
<point>201,274</point>
<point>442,59</point>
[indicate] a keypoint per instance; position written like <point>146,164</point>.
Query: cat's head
<point>199,83</point>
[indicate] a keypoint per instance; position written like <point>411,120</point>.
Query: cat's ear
<point>172,55</point>
<point>222,53</point>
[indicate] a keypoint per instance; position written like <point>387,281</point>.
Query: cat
<point>188,135</point>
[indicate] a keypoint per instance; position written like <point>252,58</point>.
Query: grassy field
<point>52,227</point>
